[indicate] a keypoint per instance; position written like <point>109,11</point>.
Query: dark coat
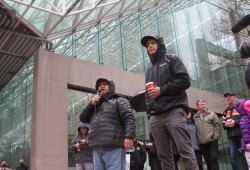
<point>110,121</point>
<point>170,74</point>
<point>138,157</point>
<point>23,167</point>
<point>231,113</point>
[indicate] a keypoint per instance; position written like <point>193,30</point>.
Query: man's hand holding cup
<point>230,123</point>
<point>153,91</point>
<point>78,147</point>
<point>82,142</point>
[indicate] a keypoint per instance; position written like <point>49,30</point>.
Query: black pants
<point>210,154</point>
<point>154,163</point>
<point>198,155</point>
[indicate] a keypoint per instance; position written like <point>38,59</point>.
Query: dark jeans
<point>198,155</point>
<point>234,145</point>
<point>210,154</point>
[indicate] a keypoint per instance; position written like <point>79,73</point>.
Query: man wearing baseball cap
<point>167,103</point>
<point>112,126</point>
<point>230,123</point>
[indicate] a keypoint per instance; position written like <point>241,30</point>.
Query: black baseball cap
<point>145,39</point>
<point>98,81</point>
<point>229,94</point>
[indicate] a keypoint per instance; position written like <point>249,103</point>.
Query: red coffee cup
<point>150,85</point>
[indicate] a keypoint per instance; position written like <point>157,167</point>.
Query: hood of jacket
<point>239,106</point>
<point>82,125</point>
<point>161,51</point>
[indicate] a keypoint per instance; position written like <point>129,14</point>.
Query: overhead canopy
<point>17,44</point>
<point>53,18</point>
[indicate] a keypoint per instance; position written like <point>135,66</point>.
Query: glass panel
<point>15,117</point>
<point>130,4</point>
<point>111,44</point>
<point>110,10</point>
<point>134,61</point>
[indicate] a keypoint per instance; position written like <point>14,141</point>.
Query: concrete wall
<point>53,74</point>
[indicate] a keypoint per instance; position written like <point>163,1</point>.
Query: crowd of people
<point>167,107</point>
<point>106,135</point>
<point>21,166</point>
<point>176,131</point>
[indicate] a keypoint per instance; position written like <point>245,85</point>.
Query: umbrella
<point>138,101</point>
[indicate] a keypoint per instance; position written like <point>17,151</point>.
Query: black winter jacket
<point>110,121</point>
<point>138,157</point>
<point>231,113</point>
<point>170,74</point>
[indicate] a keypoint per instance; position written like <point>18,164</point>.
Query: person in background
<point>243,107</point>
<point>193,134</point>
<point>154,162</point>
<point>4,165</point>
<point>138,156</point>
<point>230,123</point>
<point>167,103</point>
<point>22,165</point>
<point>112,126</point>
<point>208,132</point>
<point>84,157</point>
<point>176,154</point>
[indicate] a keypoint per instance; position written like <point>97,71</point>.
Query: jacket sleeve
<point>246,131</point>
<point>224,120</point>
<point>217,127</point>
<point>73,143</point>
<point>147,99</point>
<point>127,117</point>
<point>239,106</point>
<point>86,113</point>
<point>181,80</point>
<point>147,104</point>
<point>143,154</point>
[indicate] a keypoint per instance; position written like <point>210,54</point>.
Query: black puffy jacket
<point>110,121</point>
<point>170,74</point>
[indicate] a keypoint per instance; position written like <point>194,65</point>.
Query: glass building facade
<point>189,29</point>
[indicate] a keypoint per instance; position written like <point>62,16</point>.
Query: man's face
<point>83,130</point>
<point>201,106</point>
<point>152,46</point>
<point>103,87</point>
<point>4,164</point>
<point>230,99</point>
<point>21,162</point>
